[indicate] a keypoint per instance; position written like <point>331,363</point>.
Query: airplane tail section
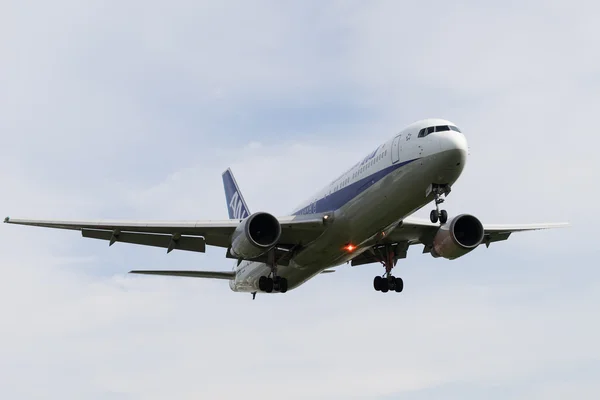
<point>236,205</point>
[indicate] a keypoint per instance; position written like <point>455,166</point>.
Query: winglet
<point>236,205</point>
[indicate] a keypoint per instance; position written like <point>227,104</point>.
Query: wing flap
<point>229,275</point>
<point>377,253</point>
<point>282,256</point>
<point>169,242</point>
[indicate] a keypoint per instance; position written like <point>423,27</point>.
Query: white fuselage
<point>369,200</point>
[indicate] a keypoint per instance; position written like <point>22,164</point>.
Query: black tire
<point>377,283</point>
<point>283,285</point>
<point>269,285</point>
<point>262,283</point>
<point>434,216</point>
<point>384,285</point>
<point>391,283</point>
<point>399,285</point>
<point>443,216</point>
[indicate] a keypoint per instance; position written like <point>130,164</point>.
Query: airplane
<point>361,217</point>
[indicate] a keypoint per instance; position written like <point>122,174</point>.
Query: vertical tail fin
<point>236,205</point>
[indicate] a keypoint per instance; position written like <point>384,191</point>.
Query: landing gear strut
<point>388,282</point>
<point>272,282</point>
<point>437,215</point>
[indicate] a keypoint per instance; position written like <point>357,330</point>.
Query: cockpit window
<point>440,128</point>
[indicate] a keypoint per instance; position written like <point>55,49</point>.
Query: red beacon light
<point>350,247</point>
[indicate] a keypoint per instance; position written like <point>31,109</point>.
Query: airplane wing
<point>414,231</point>
<point>422,231</point>
<point>180,235</point>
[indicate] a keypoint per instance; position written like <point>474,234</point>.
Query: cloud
<point>131,110</point>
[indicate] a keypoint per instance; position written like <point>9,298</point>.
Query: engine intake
<point>458,237</point>
<point>255,235</point>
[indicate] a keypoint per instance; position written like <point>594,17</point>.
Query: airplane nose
<point>453,151</point>
<point>452,140</point>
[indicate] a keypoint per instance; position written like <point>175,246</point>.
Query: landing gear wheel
<point>391,283</point>
<point>269,285</point>
<point>384,286</point>
<point>398,285</point>
<point>283,285</point>
<point>262,283</point>
<point>276,283</point>
<point>434,216</point>
<point>443,216</point>
<point>377,283</point>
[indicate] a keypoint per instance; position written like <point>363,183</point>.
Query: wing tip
<point>6,220</point>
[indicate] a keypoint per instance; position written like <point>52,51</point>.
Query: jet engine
<point>255,235</point>
<point>457,237</point>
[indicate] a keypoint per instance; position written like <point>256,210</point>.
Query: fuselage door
<point>396,149</point>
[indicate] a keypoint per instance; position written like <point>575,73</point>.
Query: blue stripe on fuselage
<point>339,198</point>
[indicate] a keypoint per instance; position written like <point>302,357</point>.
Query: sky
<point>133,109</point>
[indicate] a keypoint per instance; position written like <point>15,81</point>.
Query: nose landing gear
<point>437,215</point>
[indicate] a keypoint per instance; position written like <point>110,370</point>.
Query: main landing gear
<point>273,282</point>
<point>388,282</point>
<point>437,215</point>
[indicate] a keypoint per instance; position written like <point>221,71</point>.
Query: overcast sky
<point>132,109</point>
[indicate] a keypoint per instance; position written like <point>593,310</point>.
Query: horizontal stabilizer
<point>229,275</point>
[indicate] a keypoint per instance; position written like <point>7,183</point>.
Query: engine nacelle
<point>255,235</point>
<point>457,237</point>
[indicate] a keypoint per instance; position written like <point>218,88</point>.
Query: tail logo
<point>237,207</point>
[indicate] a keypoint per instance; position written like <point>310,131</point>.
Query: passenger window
<point>442,128</point>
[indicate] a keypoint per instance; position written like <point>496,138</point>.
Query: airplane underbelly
<point>385,203</point>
